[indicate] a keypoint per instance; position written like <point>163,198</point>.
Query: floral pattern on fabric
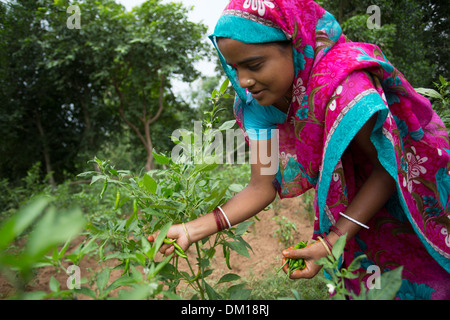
<point>338,86</point>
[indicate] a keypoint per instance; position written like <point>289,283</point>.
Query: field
<point>258,271</point>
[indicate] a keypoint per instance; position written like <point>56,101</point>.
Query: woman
<point>349,125</point>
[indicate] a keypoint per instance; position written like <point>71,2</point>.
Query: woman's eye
<point>254,67</point>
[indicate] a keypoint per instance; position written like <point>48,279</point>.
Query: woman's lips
<point>258,94</point>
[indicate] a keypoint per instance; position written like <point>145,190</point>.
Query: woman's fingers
<point>306,273</point>
<point>165,249</point>
<point>309,254</point>
<point>174,240</point>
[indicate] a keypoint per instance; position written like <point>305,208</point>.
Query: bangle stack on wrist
<point>326,243</point>
<point>221,218</point>
<point>187,233</point>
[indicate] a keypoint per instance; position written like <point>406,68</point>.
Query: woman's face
<point>266,70</point>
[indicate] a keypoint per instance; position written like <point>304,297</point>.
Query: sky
<point>205,11</point>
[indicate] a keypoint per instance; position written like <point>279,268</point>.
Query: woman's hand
<point>310,254</point>
<point>175,232</point>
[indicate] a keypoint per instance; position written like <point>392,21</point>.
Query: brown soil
<point>266,254</point>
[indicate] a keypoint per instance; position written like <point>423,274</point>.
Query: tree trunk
<point>341,11</point>
<point>45,151</point>
<point>147,122</point>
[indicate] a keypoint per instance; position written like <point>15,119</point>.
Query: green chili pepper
<point>168,241</point>
<point>179,251</point>
<point>195,278</point>
<point>117,200</point>
<point>126,267</point>
<point>105,185</point>
<point>226,253</point>
<point>295,264</point>
<point>135,208</point>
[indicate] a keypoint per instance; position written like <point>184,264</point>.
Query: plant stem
<point>201,289</point>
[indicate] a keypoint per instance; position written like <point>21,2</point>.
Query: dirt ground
<point>265,256</point>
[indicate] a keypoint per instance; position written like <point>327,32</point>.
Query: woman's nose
<point>246,82</point>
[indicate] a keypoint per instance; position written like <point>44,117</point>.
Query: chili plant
<point>180,191</point>
<point>45,228</point>
<point>285,232</point>
<point>390,281</point>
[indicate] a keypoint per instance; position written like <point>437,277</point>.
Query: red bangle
<point>219,227</point>
<point>336,230</point>
<point>220,220</point>
<point>324,237</point>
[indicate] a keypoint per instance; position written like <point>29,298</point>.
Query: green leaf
<point>236,187</point>
<point>102,279</point>
<point>239,247</point>
<point>323,262</point>
<point>54,228</point>
<point>390,283</point>
<point>139,292</point>
<point>212,294</point>
<point>229,277</point>
<point>155,270</point>
<point>218,199</point>
<point>54,284</point>
<point>35,295</point>
<point>296,294</point>
<point>224,86</point>
<point>356,263</point>
<point>86,291</point>
<point>124,280</point>
<point>238,292</point>
<point>203,167</point>
<point>14,227</point>
<point>159,240</point>
<point>171,295</point>
<point>429,93</point>
<point>161,159</point>
<point>227,125</point>
<point>338,247</point>
<point>243,227</point>
<point>145,245</point>
<point>150,184</point>
<point>96,178</point>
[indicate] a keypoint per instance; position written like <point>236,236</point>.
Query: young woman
<point>346,123</point>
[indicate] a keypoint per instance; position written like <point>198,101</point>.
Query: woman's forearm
<point>241,207</point>
<point>375,192</point>
<point>372,196</point>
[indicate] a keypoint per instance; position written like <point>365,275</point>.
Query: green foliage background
<point>105,91</point>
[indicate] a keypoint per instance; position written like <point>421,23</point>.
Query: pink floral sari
<point>339,85</point>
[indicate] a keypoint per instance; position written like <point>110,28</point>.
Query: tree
<point>50,99</point>
<point>413,34</point>
<point>159,43</point>
<point>65,92</point>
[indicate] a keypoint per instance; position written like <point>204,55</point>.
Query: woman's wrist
<point>201,227</point>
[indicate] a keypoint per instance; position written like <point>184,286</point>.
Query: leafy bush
<point>181,191</point>
<point>440,99</point>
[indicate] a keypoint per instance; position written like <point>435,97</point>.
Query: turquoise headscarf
<point>246,31</point>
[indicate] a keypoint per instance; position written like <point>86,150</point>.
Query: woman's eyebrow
<point>246,60</point>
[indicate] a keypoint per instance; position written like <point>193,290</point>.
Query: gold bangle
<point>325,245</point>
<point>187,233</point>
